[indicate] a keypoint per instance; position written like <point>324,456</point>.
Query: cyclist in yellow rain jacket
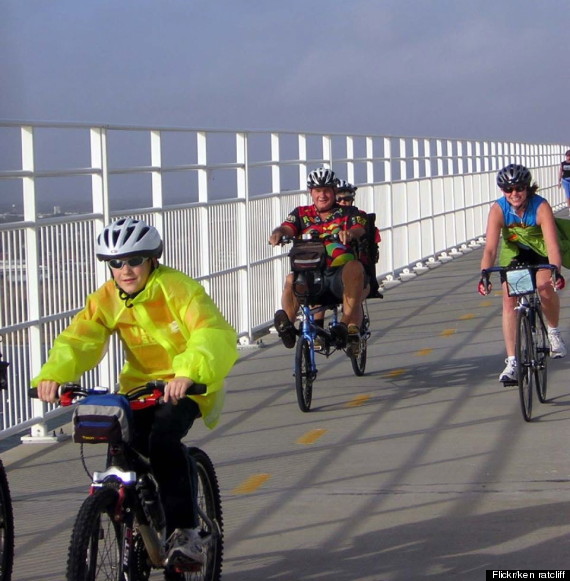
<point>170,330</point>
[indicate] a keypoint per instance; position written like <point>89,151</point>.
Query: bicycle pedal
<point>510,383</point>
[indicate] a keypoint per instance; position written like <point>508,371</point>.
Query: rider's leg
<point>551,308</point>
<point>289,301</point>
<point>549,299</point>
<point>509,322</point>
<point>354,290</point>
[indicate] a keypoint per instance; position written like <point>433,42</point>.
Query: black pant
<point>158,432</point>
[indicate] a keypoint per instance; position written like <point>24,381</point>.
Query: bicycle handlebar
<point>533,267</point>
<point>309,237</point>
<point>67,392</point>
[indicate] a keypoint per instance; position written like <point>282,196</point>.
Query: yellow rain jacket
<point>172,328</point>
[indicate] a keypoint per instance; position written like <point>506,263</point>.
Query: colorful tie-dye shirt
<point>304,219</point>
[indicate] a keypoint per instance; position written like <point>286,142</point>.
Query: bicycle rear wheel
<point>542,353</point>
<point>304,374</point>
<point>6,528</point>
<point>525,354</point>
<point>96,540</point>
<point>209,518</point>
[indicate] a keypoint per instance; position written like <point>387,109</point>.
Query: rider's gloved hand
<point>559,281</point>
<point>484,287</point>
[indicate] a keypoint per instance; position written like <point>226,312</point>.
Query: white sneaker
<point>510,371</point>
<point>185,549</point>
<point>557,345</point>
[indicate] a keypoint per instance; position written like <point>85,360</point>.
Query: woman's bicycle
<point>119,531</point>
<point>307,261</point>
<point>532,347</point>
<point>6,512</point>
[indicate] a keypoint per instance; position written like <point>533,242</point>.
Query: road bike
<point>532,347</point>
<point>307,258</point>
<point>6,511</point>
<point>119,532</point>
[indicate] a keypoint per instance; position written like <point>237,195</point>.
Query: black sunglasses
<point>117,263</point>
<point>344,198</point>
<point>509,189</point>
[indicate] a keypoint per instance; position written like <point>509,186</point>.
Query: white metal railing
<point>215,196</point>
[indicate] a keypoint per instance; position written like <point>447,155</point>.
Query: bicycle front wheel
<point>209,518</point>
<point>95,547</point>
<point>358,351</point>
<point>6,528</point>
<point>304,375</point>
<point>525,354</point>
<point>542,353</point>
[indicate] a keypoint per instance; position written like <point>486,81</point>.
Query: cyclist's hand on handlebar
<point>175,389</point>
<point>559,280</point>
<point>484,287</point>
<point>276,236</point>
<point>47,390</point>
<point>346,237</point>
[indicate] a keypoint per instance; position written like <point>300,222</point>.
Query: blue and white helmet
<point>128,237</point>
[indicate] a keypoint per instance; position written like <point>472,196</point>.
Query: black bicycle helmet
<point>514,175</point>
<point>321,178</point>
<point>345,187</point>
<point>128,237</point>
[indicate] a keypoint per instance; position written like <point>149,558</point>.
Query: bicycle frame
<point>531,343</point>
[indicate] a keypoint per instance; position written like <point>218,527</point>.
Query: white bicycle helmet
<point>345,187</point>
<point>128,237</point>
<point>321,178</point>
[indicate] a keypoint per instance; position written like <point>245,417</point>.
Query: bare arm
<point>493,235</point>
<point>278,233</point>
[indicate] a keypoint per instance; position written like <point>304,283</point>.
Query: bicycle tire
<point>6,528</point>
<point>304,375</point>
<point>210,503</point>
<point>96,541</point>
<point>525,353</point>
<point>358,356</point>
<point>542,354</point>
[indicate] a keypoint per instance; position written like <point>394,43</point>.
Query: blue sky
<point>438,68</point>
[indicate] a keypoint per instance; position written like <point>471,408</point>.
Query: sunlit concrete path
<point>421,469</point>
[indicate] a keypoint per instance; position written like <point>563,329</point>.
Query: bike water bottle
<point>150,500</point>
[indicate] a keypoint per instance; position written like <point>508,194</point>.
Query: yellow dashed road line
<point>311,437</point>
<point>467,316</point>
<point>358,400</point>
<point>251,484</point>
<point>395,372</point>
<point>424,352</point>
<point>448,332</point>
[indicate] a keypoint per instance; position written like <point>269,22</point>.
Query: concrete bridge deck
<point>421,469</point>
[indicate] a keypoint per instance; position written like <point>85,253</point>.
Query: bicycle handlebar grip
<point>33,392</point>
<point>194,389</point>
<point>197,389</point>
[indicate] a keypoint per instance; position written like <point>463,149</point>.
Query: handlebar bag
<point>102,419</point>
<point>309,255</point>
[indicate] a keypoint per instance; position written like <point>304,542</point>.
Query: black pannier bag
<point>307,255</point>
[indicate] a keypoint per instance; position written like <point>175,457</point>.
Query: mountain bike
<point>119,532</point>
<point>6,511</point>
<point>532,347</point>
<point>307,258</point>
